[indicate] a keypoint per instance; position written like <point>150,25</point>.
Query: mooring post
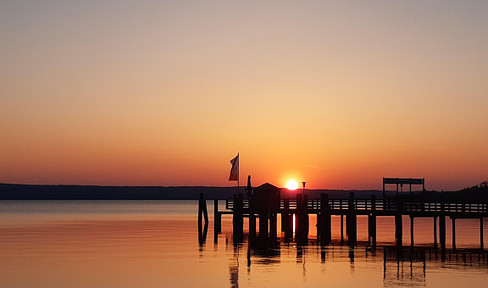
<point>202,210</point>
<point>202,216</point>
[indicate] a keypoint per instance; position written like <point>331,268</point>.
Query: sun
<point>292,185</point>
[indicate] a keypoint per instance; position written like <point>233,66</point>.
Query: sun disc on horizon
<point>292,185</point>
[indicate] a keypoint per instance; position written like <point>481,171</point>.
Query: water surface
<point>155,244</point>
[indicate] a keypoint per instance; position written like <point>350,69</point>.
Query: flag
<point>234,171</point>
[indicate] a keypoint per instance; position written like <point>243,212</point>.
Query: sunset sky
<point>335,93</point>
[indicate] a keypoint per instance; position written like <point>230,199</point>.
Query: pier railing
<point>387,205</point>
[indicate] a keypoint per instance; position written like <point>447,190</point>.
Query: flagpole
<point>238,173</point>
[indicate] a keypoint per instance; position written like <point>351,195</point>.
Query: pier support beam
<point>453,220</point>
<point>287,221</point>
<point>273,223</point>
<point>342,228</point>
<point>399,222</point>
<point>202,215</point>
<point>411,230</point>
<point>399,229</point>
<point>442,230</point>
<point>351,222</point>
<point>238,218</point>
<point>481,234</point>
<point>252,221</point>
<point>442,236</point>
<point>263,226</point>
<point>325,234</point>
<point>435,231</point>
<point>301,220</point>
<point>372,223</point>
<point>217,218</point>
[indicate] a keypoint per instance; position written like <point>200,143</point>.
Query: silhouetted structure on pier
<point>265,204</point>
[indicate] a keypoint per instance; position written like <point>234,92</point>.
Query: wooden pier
<point>268,206</point>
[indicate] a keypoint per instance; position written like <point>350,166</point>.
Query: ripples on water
<point>155,244</point>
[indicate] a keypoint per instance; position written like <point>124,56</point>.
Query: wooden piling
<point>481,234</point>
<point>287,221</point>
<point>453,221</point>
<point>411,230</point>
<point>273,222</point>
<point>351,222</point>
<point>301,221</point>
<point>442,231</point>
<point>263,225</point>
<point>202,216</point>
<point>252,226</point>
<point>342,228</point>
<point>435,231</point>
<point>372,223</point>
<point>252,220</point>
<point>217,218</point>
<point>238,218</point>
<point>399,223</point>
<point>399,229</point>
<point>323,221</point>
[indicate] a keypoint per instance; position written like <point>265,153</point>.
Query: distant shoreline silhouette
<point>94,192</point>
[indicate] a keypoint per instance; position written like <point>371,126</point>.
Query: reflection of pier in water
<point>402,266</point>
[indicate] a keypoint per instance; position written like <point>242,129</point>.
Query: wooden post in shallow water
<point>238,219</point>
<point>435,232</point>
<point>399,223</point>
<point>481,234</point>
<point>252,221</point>
<point>351,222</point>
<point>453,221</point>
<point>324,220</point>
<point>287,221</point>
<point>372,223</point>
<point>442,231</point>
<point>342,228</point>
<point>202,215</point>
<point>301,220</point>
<point>411,230</point>
<point>217,218</point>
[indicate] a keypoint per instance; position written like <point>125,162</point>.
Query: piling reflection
<point>402,266</point>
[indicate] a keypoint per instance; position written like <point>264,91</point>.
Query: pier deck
<point>295,217</point>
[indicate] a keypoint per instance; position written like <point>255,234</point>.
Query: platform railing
<point>381,205</point>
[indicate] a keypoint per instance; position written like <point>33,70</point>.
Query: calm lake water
<point>155,244</point>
